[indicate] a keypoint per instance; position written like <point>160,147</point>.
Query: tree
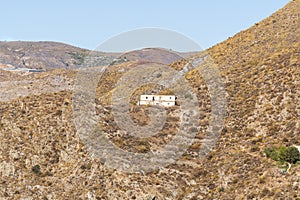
<point>283,154</point>
<point>292,155</point>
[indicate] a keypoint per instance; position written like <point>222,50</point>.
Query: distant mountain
<point>164,56</point>
<point>46,55</point>
<point>52,55</point>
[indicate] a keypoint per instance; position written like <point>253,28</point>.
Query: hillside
<point>41,156</point>
<point>157,55</point>
<point>47,55</point>
<point>53,55</point>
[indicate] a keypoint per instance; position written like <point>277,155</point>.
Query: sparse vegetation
<point>119,60</point>
<point>78,57</point>
<point>188,96</point>
<point>36,169</point>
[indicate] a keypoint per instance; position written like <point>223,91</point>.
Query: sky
<point>89,23</point>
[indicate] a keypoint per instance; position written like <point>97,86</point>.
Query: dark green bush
<point>271,153</point>
<point>283,154</point>
<point>36,169</point>
<point>292,155</point>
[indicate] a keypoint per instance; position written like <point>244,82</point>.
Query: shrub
<point>292,155</point>
<point>265,192</point>
<point>255,149</point>
<point>283,154</point>
<point>36,169</point>
<point>221,189</point>
<point>188,96</point>
<point>271,153</point>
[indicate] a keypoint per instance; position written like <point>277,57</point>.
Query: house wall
<point>144,102</point>
<point>164,97</point>
<point>146,97</point>
<point>168,103</point>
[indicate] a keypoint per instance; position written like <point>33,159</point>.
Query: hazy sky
<point>89,23</point>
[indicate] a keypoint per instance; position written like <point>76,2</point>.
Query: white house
<point>159,100</point>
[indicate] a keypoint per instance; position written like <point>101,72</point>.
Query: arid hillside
<point>53,55</point>
<point>45,55</point>
<point>42,156</point>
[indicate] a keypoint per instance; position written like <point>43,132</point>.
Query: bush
<point>36,169</point>
<point>292,155</point>
<point>271,153</point>
<point>283,154</point>
<point>255,149</point>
